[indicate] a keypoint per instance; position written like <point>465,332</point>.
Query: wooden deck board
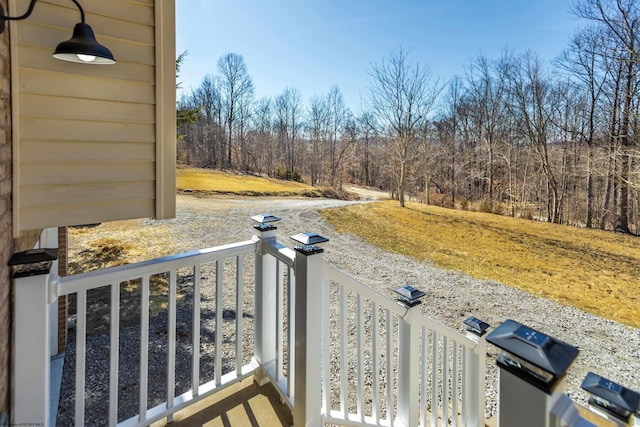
<point>240,405</point>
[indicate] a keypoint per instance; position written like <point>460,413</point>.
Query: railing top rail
<point>107,276</point>
<point>281,252</point>
<point>400,310</point>
<point>338,276</point>
<point>448,332</point>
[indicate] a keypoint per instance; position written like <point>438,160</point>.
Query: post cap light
<point>265,218</point>
<point>264,222</point>
<point>476,326</point>
<point>309,242</point>
<point>409,296</point>
<point>610,397</point>
<point>33,262</point>
<point>309,238</point>
<point>534,357</point>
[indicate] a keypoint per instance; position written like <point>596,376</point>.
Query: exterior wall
<point>92,143</point>
<point>82,144</point>
<point>8,245</point>
<point>6,240</point>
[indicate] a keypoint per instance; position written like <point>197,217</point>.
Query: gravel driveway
<point>606,347</point>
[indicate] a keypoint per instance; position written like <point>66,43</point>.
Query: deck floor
<point>242,404</point>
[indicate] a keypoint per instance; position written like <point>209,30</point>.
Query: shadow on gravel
<point>98,344</point>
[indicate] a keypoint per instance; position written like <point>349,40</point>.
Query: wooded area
<point>555,142</point>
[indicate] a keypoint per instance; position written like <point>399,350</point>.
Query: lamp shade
<point>83,47</point>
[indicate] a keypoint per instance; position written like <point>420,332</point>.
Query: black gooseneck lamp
<point>82,47</point>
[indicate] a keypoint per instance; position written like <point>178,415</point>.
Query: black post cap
<point>34,255</point>
<point>615,399</point>
<point>531,355</point>
<point>33,262</point>
<point>476,326</point>
<point>409,296</point>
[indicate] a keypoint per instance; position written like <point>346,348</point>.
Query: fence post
<point>532,368</point>
<point>613,402</point>
<point>474,381</point>
<point>307,404</point>
<point>409,334</point>
<point>49,239</point>
<point>31,356</point>
<point>265,297</point>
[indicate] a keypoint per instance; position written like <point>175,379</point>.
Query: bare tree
<point>532,97</point>
<point>288,122</point>
<point>401,97</point>
<point>446,130</point>
<point>204,138</point>
<point>583,60</point>
<point>263,147</point>
<point>236,88</point>
<point>622,19</point>
<point>487,96</point>
<point>317,118</point>
<point>367,134</point>
<point>245,112</point>
<point>339,119</point>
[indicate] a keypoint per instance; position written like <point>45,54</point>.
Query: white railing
<point>386,363</point>
<point>337,350</point>
<point>275,291</point>
<point>225,264</point>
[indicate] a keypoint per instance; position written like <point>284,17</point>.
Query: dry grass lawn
<point>593,270</point>
<point>207,181</point>
<point>596,271</point>
<point>116,243</point>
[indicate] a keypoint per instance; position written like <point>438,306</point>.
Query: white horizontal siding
<point>55,129</point>
<point>80,86</point>
<point>59,107</point>
<point>82,194</point>
<point>77,173</point>
<point>89,141</point>
<point>92,151</point>
<point>84,213</point>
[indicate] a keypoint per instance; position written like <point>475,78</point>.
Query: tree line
<point>556,142</point>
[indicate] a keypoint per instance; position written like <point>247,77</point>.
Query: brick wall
<point>63,267</point>
<point>6,241</point>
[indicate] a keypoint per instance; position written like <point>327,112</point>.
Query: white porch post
<point>307,405</point>
<point>409,334</point>
<point>31,337</point>
<point>49,239</point>
<point>265,295</point>
<point>532,366</point>
<point>474,382</point>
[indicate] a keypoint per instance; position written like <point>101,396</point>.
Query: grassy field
<point>211,182</point>
<point>593,270</point>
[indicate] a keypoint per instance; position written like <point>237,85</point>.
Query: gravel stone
<point>607,348</point>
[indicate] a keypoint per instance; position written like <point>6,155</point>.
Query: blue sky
<point>312,45</point>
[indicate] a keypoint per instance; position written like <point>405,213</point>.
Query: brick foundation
<point>6,219</point>
<point>62,301</point>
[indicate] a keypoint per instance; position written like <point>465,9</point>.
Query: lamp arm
<point>18,18</point>
<point>30,10</point>
<point>79,7</point>
<point>28,13</point>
